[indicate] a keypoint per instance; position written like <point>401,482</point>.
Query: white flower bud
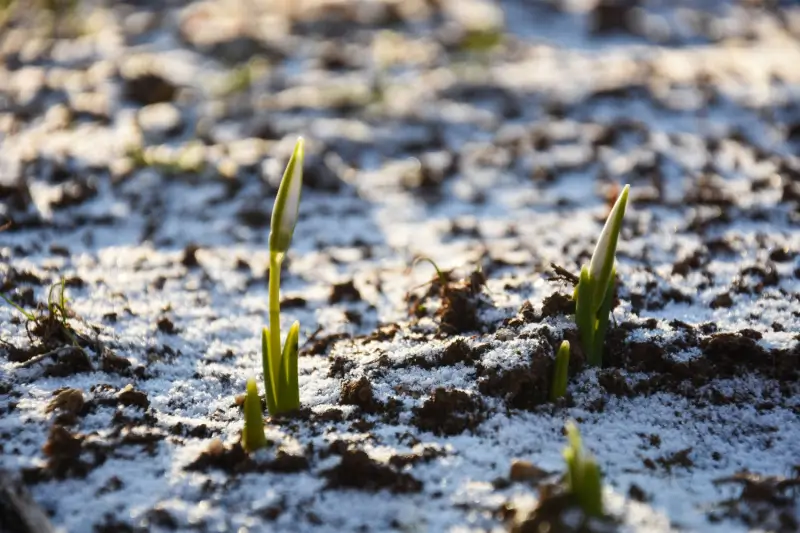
<point>287,202</point>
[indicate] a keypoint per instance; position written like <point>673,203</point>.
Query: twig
<point>57,352</point>
<point>563,273</point>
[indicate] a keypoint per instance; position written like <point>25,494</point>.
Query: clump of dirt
<point>456,352</point>
<point>339,367</point>
<point>358,471</point>
<point>130,396</point>
<point>678,459</point>
<point>427,455</point>
<point>383,333</point>
<point>732,354</point>
<point>165,325</point>
<point>288,463</point>
<point>526,313</point>
<point>189,258</point>
<point>614,382</point>
<point>721,300</point>
<point>359,392</point>
<point>724,355</point>
<point>320,345</point>
<point>63,450</point>
<point>525,471</point>
<point>344,292</point>
<point>69,360</point>
<point>766,503</point>
<point>449,412</point>
<point>115,364</point>
<point>558,304</point>
<point>459,310</point>
<point>521,387</point>
<point>460,300</point>
<point>753,279</point>
<point>232,459</point>
<point>69,404</point>
<point>149,89</point>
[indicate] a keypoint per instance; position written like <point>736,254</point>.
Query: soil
<point>142,146</point>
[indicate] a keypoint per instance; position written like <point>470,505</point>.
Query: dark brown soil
<point>358,471</point>
<point>558,304</point>
<point>232,459</point>
<point>360,393</point>
<point>522,387</point>
<point>344,292</point>
<point>765,502</point>
<point>449,412</point>
<point>459,310</point>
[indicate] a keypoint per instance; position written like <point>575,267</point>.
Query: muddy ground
<point>141,144</point>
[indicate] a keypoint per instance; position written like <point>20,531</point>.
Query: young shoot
<point>280,365</point>
<point>594,296</point>
<point>253,434</point>
<point>583,475</point>
<point>560,374</point>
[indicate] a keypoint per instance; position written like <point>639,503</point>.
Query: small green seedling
<point>594,295</point>
<point>253,434</point>
<point>51,324</point>
<point>559,387</point>
<point>280,366</point>
<point>583,475</point>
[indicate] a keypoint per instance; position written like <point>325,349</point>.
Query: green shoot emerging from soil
<point>559,386</point>
<point>253,434</point>
<point>51,324</point>
<point>583,474</point>
<point>594,296</point>
<point>280,366</point>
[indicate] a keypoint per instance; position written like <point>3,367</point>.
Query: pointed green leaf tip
<point>603,256</point>
<point>290,393</point>
<point>287,202</point>
<point>559,386</point>
<point>253,436</point>
<point>584,480</point>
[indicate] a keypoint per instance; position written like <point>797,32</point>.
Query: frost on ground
<point>141,148</point>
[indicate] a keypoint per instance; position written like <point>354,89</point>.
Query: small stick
<point>33,360</point>
<point>563,273</point>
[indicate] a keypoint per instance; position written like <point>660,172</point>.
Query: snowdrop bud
<point>603,256</point>
<point>287,203</point>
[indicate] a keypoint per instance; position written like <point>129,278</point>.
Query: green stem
<point>275,260</point>
<point>585,314</point>
<point>269,380</point>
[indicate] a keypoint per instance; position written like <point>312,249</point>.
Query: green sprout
<point>52,320</point>
<point>559,387</point>
<point>280,366</point>
<point>583,474</point>
<point>253,434</point>
<point>594,295</point>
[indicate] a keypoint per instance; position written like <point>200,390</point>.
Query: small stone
<point>215,448</point>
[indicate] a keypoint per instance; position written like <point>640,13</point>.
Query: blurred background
<point>142,115</point>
